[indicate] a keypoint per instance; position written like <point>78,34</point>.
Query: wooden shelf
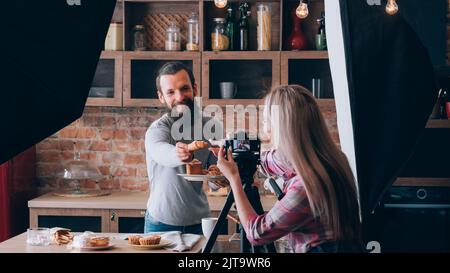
<point>161,55</point>
<point>306,54</point>
<point>240,55</point>
<point>438,123</point>
<point>423,182</point>
<point>326,105</point>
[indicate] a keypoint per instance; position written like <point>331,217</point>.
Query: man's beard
<point>187,109</point>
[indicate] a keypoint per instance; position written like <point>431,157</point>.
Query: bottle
<point>193,30</point>
<point>243,27</point>
<point>264,29</point>
<point>321,38</point>
<point>296,40</point>
<point>139,38</point>
<point>231,28</point>
<point>173,38</point>
<point>219,35</point>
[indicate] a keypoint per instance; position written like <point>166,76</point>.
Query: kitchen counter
<point>121,211</point>
<point>123,200</point>
<point>18,245</point>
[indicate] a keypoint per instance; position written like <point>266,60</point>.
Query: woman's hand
<point>227,166</point>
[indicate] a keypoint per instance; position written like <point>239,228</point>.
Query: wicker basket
<point>156,25</point>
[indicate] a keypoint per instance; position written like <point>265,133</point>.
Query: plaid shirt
<point>291,216</point>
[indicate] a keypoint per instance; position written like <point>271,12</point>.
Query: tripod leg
<point>255,200</point>
<point>223,214</point>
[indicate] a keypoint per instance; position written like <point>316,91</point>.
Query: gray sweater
<point>173,200</point>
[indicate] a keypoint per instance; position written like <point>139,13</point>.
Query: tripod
<point>246,171</point>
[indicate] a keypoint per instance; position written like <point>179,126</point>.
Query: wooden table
<point>18,245</point>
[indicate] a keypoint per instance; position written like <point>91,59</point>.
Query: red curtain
<point>4,202</point>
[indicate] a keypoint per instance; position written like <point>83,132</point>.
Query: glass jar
<point>173,38</point>
<point>139,38</point>
<point>219,36</point>
<point>193,30</point>
<point>264,28</point>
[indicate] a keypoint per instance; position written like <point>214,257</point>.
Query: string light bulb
<point>220,3</point>
<point>302,10</point>
<point>391,7</point>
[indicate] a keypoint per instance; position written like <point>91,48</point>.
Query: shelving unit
<point>254,72</point>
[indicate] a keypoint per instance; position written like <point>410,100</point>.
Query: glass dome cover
<point>79,169</point>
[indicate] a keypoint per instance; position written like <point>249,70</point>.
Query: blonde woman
<point>319,211</point>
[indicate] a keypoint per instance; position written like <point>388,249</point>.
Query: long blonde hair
<point>302,137</point>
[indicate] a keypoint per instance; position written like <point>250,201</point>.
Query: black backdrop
<point>392,91</point>
<point>50,51</point>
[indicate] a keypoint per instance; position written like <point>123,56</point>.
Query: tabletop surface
<point>18,244</point>
<point>124,200</point>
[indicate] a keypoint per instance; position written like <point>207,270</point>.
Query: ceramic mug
<point>208,225</point>
<point>228,90</point>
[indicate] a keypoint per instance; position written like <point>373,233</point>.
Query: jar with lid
<point>139,38</point>
<point>173,38</point>
<point>193,30</point>
<point>264,28</point>
<point>219,35</point>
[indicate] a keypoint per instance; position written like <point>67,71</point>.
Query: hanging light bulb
<point>391,7</point>
<point>220,3</point>
<point>302,9</point>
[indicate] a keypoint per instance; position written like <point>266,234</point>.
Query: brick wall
<point>113,139</point>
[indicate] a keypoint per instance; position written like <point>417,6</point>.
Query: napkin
<point>180,241</point>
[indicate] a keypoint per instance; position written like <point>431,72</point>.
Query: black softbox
<point>385,90</point>
<point>50,51</point>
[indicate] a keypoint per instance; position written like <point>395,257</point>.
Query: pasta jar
<point>173,38</point>
<point>139,38</point>
<point>193,30</point>
<point>264,28</point>
<point>219,36</point>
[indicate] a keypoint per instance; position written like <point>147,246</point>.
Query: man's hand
<point>183,152</point>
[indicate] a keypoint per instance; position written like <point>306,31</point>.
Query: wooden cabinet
<point>126,221</point>
<point>95,220</point>
<point>78,220</point>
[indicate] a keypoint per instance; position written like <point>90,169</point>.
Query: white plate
<point>200,177</point>
<point>96,247</point>
<point>162,244</point>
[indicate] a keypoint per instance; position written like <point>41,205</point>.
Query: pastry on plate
<point>150,240</point>
<point>134,239</point>
<point>194,167</point>
<point>98,241</point>
<point>213,170</point>
<point>62,236</point>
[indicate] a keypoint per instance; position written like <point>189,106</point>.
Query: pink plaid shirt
<point>291,216</point>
